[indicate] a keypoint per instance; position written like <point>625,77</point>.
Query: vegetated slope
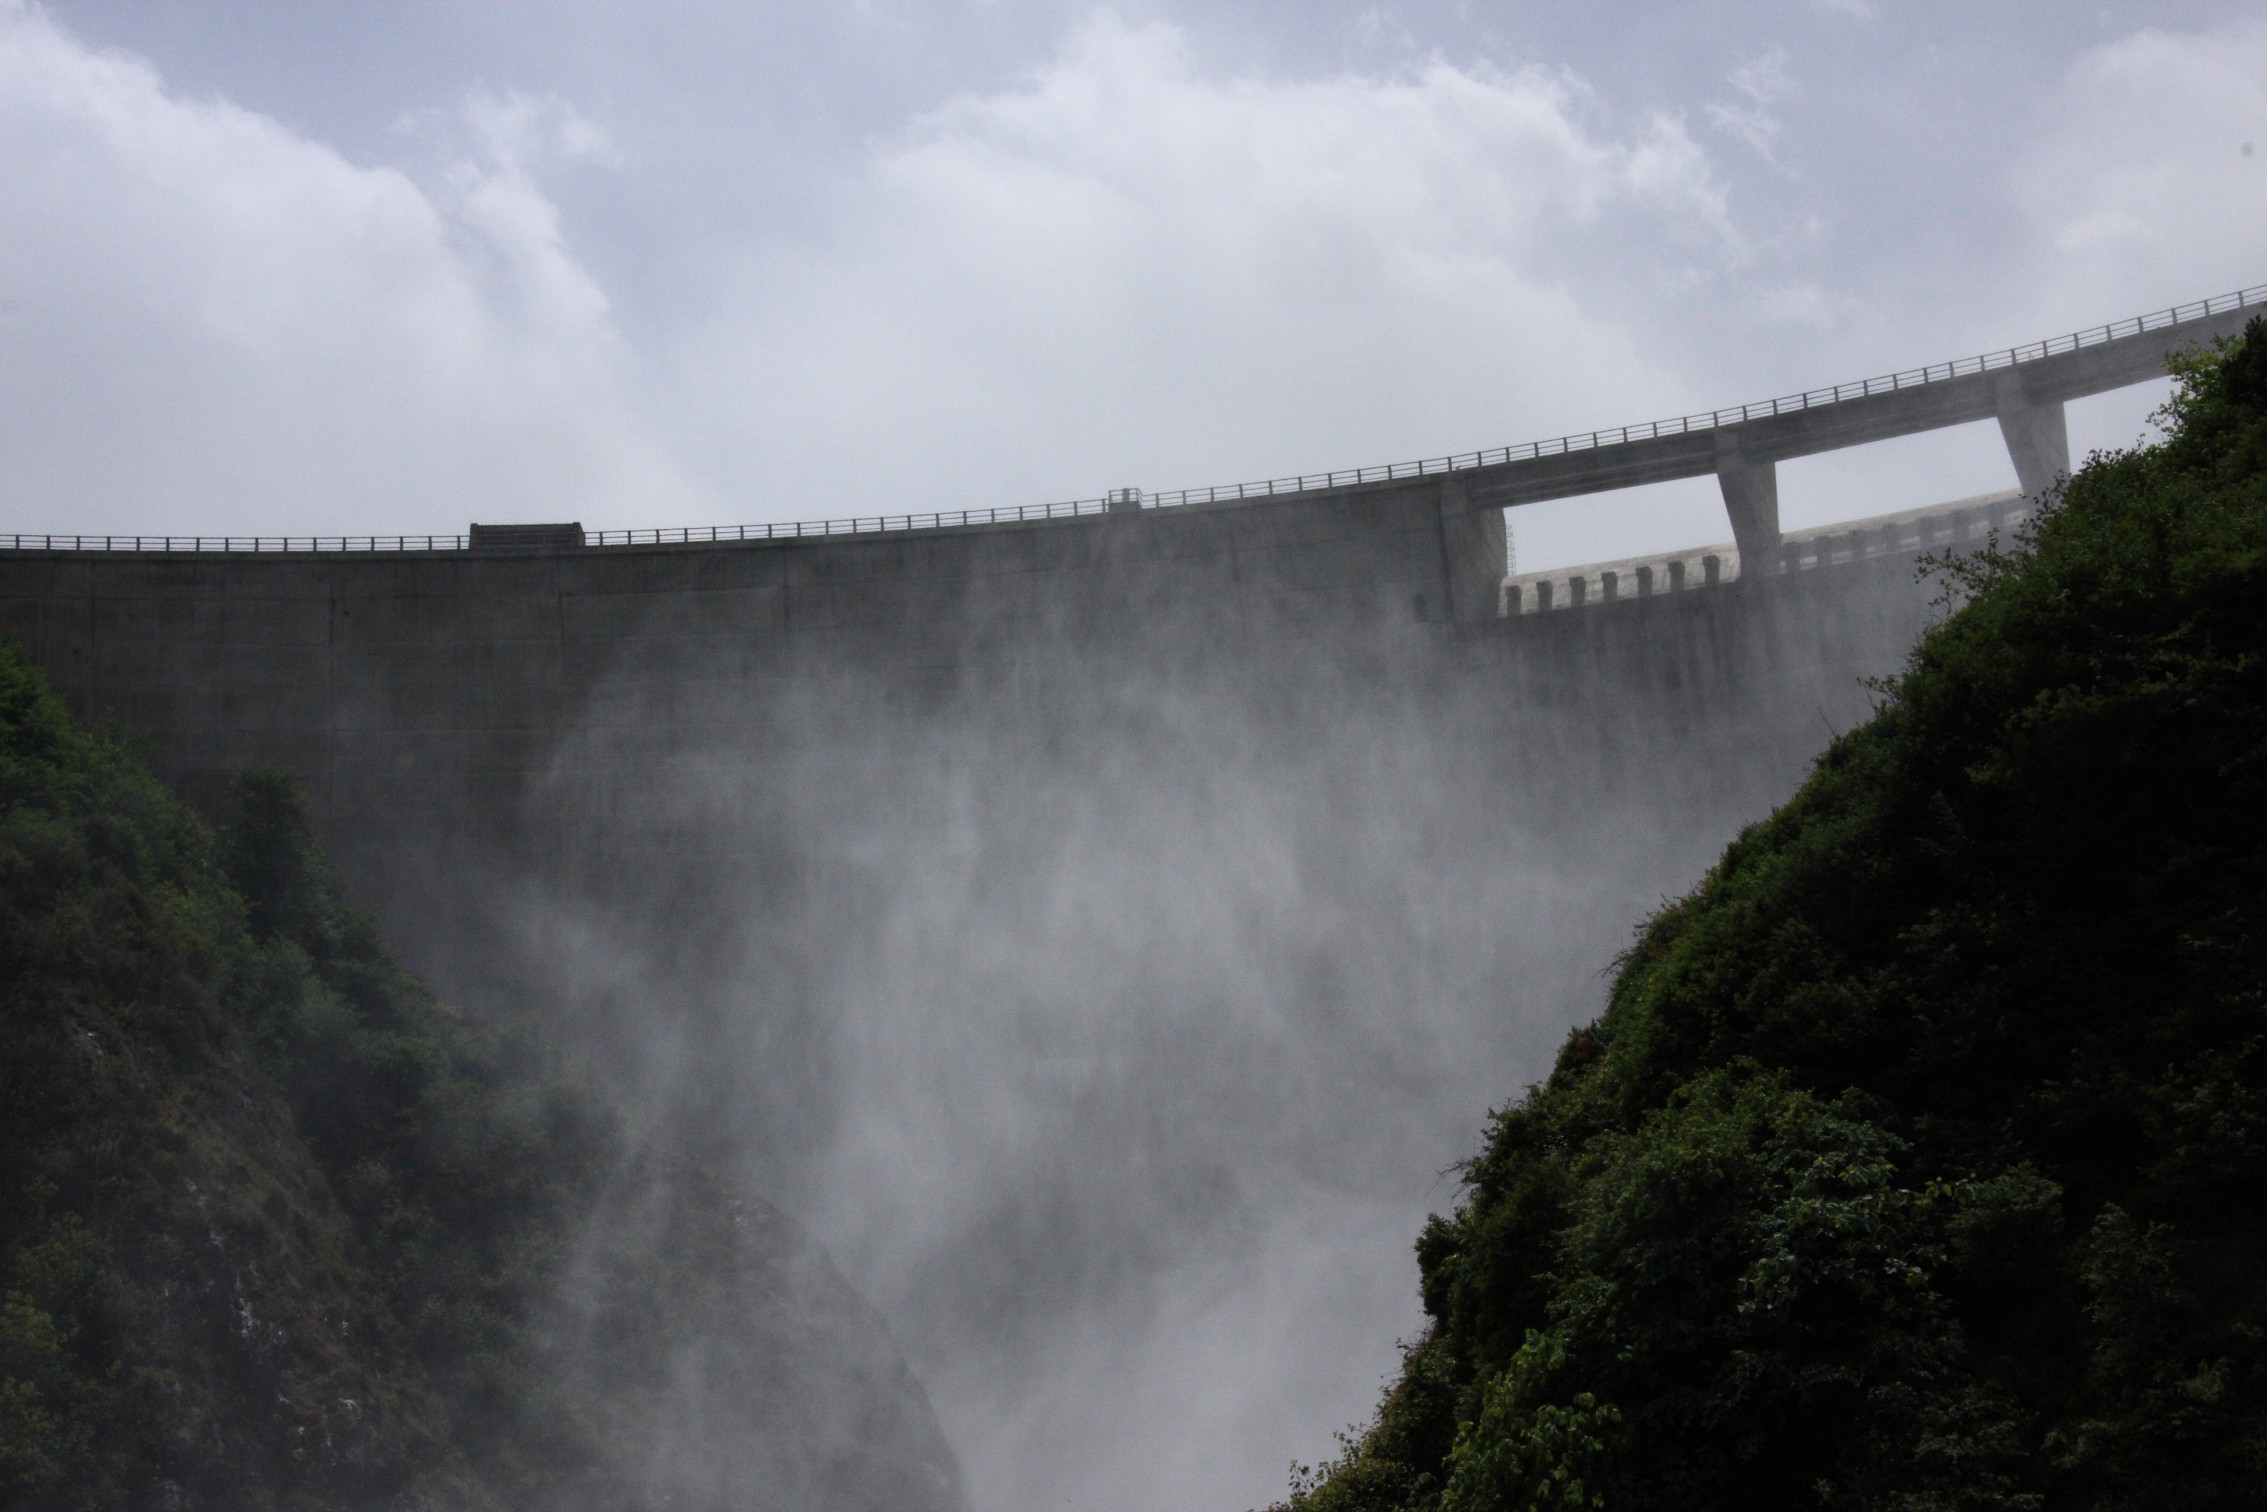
<point>1920,1157</point>
<point>279,1230</point>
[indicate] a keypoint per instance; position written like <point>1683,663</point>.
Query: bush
<point>277,1225</point>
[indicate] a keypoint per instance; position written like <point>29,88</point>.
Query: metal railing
<point>657,536</point>
<point>1713,419</point>
<point>856,525</point>
<point>1219,493</point>
<point>247,544</point>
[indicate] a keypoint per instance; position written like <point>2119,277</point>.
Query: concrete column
<point>2037,436</point>
<point>1751,498</point>
<point>1474,558</point>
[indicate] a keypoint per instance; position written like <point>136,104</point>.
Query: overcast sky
<point>342,265</point>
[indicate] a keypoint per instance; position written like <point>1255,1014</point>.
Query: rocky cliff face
<point>724,1362</point>
<point>280,1230</point>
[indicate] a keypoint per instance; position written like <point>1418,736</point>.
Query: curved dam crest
<point>531,702</point>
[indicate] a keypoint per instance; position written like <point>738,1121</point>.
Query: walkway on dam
<point>2024,388</point>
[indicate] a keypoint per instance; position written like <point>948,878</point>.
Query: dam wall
<point>372,675</point>
<point>462,675</point>
<point>529,706</point>
<point>400,683</point>
<point>463,717</point>
<point>644,721</point>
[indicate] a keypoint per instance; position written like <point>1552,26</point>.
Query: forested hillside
<point>279,1230</point>
<point>1919,1159</point>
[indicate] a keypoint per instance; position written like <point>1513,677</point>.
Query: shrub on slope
<point>1920,1157</point>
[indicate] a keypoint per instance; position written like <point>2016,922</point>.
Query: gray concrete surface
<point>465,715</point>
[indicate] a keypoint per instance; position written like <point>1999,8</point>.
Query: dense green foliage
<point>278,1230</point>
<point>1919,1159</point>
<point>275,1223</point>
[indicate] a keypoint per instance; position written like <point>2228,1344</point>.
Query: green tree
<point>1919,1160</point>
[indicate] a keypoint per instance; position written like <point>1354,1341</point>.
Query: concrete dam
<point>522,692</point>
<point>404,676</point>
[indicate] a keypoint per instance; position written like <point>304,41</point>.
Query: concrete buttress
<point>1751,498</point>
<point>2037,436</point>
<point>1474,553</point>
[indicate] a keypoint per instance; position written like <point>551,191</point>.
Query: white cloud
<point>493,149</point>
<point>1799,304</point>
<point>1126,270</point>
<point>1760,82</point>
<point>210,322</point>
<point>2139,192</point>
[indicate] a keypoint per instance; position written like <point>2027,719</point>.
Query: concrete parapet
<point>1911,533</point>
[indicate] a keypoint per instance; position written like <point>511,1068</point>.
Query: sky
<point>319,266</point>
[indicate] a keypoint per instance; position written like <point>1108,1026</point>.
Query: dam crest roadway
<point>2023,388</point>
